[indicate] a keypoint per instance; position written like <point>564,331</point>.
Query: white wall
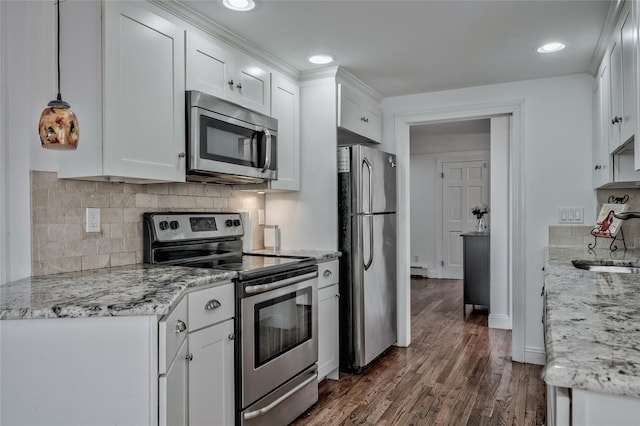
<point>556,145</point>
<point>29,55</point>
<point>308,219</point>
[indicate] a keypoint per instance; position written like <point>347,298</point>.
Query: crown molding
<point>216,30</point>
<point>615,9</point>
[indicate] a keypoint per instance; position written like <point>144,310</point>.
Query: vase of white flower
<point>479,212</point>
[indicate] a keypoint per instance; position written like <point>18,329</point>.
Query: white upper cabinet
<point>285,105</point>
<point>622,80</point>
<point>601,166</point>
<point>358,114</point>
<point>131,108</point>
<point>219,70</point>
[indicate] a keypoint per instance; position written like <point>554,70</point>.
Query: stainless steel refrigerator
<point>367,228</point>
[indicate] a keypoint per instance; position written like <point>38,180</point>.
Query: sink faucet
<point>627,215</point>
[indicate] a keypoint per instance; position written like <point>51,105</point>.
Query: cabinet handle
<point>239,85</point>
<point>180,326</point>
<point>365,119</point>
<point>616,119</point>
<point>212,304</point>
<point>181,155</point>
<point>326,273</point>
<point>598,167</point>
<point>232,337</point>
<point>230,83</point>
<point>189,357</point>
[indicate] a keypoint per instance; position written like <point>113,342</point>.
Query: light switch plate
<point>93,220</point>
<point>571,215</point>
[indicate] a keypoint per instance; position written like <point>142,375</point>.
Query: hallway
<point>455,372</point>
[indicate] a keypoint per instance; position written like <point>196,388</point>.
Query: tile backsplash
<point>581,235</point>
<point>59,242</point>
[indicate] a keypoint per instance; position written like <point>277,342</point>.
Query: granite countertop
<point>592,326</point>
<point>128,290</point>
<point>319,255</point>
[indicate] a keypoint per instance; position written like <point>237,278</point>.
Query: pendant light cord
<point>59,95</point>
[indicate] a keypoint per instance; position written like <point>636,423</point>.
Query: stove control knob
<point>228,223</point>
<point>236,222</point>
<point>174,224</point>
<point>164,225</point>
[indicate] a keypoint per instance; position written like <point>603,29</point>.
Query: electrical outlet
<point>93,220</point>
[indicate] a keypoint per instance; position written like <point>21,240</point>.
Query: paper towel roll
<point>271,237</point>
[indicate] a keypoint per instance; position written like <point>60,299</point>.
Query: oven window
<point>229,143</point>
<point>282,324</point>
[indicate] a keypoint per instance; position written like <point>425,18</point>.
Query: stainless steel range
<point>276,310</point>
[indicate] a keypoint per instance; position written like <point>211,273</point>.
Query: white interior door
<point>465,184</point>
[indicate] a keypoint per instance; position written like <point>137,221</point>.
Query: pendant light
<point>58,127</point>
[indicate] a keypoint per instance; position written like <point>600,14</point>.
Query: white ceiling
<point>402,47</point>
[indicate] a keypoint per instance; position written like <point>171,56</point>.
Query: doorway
<point>511,221</point>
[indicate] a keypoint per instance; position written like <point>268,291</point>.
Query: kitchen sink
<point>606,266</point>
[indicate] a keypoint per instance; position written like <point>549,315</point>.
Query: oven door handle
<point>264,410</point>
<point>261,288</point>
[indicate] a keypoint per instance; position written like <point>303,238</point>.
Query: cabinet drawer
<point>210,306</point>
<point>172,331</point>
<point>327,273</point>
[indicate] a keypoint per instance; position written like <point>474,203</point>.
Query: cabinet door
<point>172,389</point>
<point>285,106</point>
<point>252,84</point>
<point>372,123</point>
<point>349,110</point>
<point>627,50</point>
<point>209,67</point>
<point>144,125</point>
<point>328,332</point>
<point>211,376</point>
<point>615,93</point>
<point>600,149</point>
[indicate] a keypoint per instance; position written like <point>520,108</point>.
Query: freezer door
<point>375,287</point>
<point>375,183</point>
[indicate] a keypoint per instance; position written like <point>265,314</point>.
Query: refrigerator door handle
<point>366,162</point>
<point>367,265</point>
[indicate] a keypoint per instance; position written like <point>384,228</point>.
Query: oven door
<point>279,330</point>
<point>219,144</point>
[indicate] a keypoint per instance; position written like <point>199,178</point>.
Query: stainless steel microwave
<point>227,143</point>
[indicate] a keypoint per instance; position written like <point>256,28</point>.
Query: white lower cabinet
<point>172,389</point>
<point>211,375</point>
<point>328,321</point>
<point>579,407</point>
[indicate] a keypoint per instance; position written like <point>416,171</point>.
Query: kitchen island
<point>592,338</point>
<point>108,346</point>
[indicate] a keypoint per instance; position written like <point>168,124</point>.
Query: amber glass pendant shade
<point>58,127</point>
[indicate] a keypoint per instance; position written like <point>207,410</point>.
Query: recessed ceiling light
<point>551,47</point>
<point>240,5</point>
<point>321,59</point>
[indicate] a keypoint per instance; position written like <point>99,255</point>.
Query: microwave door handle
<point>267,156</point>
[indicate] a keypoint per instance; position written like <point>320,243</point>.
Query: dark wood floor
<point>455,372</point>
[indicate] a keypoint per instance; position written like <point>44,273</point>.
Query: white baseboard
<point>420,271</point>
<point>502,322</point>
<point>534,356</point>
